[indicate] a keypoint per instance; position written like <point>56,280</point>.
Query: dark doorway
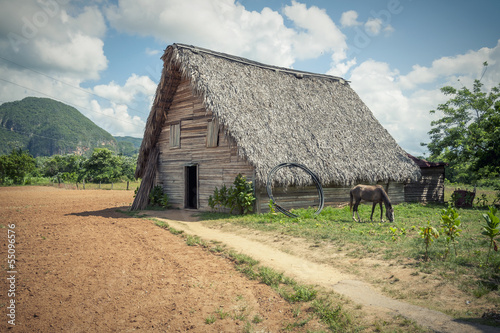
<point>191,174</point>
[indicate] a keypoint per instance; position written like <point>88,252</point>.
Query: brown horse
<point>375,194</point>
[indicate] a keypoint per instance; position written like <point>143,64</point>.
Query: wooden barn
<point>216,115</point>
<point>430,187</point>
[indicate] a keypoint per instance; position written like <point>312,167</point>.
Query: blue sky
<point>103,57</point>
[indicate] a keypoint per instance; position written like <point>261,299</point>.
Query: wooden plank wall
<point>430,188</point>
<point>335,196</point>
<point>216,166</point>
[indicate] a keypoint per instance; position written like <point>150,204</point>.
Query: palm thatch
<point>277,115</point>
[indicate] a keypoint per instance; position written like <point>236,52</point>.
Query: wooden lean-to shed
<point>430,187</point>
<point>216,115</point>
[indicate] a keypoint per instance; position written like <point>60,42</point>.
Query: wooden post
<point>83,184</point>
<point>127,184</point>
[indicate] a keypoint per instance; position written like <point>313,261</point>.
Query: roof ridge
<point>296,72</point>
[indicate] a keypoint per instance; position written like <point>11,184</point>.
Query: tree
<point>103,166</point>
<point>15,166</point>
<point>62,167</point>
<point>468,136</point>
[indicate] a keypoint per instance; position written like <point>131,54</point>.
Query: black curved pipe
<point>313,176</point>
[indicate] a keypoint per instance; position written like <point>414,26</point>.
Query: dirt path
<point>323,275</point>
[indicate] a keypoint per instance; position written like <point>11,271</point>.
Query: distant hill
<point>128,146</point>
<point>46,127</point>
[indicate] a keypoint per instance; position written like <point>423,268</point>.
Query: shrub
<point>239,196</point>
<point>491,229</point>
<point>450,223</point>
<point>158,198</point>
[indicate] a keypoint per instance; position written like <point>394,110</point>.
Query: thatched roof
<point>277,115</point>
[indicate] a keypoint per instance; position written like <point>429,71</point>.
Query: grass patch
<point>332,315</point>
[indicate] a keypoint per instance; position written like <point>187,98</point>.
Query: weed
<point>491,229</point>
<point>450,223</point>
<point>257,319</point>
<point>332,315</point>
<point>194,241</point>
<point>427,233</point>
<point>221,313</point>
<point>270,277</point>
<point>301,294</point>
<point>210,319</point>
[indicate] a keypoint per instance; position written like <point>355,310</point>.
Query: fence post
<point>83,184</point>
<point>127,185</point>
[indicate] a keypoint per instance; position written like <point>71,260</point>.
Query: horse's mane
<point>385,197</point>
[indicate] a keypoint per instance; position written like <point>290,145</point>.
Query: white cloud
<point>466,67</point>
<point>402,102</point>
<point>42,35</point>
<point>134,86</point>
<point>226,26</point>
<point>373,26</point>
<point>319,34</point>
<point>405,116</point>
<point>116,119</point>
<point>221,25</point>
<point>349,19</point>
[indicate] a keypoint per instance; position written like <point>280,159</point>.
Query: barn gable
<point>267,115</point>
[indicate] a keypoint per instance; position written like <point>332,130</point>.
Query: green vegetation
<point>491,229</point>
<point>158,198</point>
<point>238,197</point>
<point>467,137</point>
<point>46,127</point>
<point>450,224</point>
<point>16,166</point>
<point>102,166</point>
<point>128,146</point>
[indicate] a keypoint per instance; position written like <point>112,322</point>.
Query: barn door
<point>191,181</point>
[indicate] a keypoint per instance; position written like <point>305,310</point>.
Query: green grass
<point>399,241</point>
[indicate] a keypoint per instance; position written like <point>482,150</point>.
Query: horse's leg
<point>381,212</point>
<point>357,211</point>
<point>373,209</point>
<point>356,205</point>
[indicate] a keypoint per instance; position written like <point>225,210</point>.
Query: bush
<point>158,198</point>
<point>16,166</point>
<point>239,196</point>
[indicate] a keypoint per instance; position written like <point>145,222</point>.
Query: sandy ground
<point>82,266</point>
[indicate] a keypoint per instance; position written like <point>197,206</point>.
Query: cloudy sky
<point>103,56</point>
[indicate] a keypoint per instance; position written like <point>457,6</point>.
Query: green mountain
<point>46,127</point>
<point>128,145</point>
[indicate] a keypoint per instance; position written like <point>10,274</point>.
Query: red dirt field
<point>81,266</point>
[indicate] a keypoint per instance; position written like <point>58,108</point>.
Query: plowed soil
<point>84,267</point>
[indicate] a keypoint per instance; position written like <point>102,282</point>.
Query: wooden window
<point>175,135</point>
<point>212,134</point>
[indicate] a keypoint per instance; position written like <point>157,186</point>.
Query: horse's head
<point>389,213</point>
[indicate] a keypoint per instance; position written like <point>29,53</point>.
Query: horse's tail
<point>350,201</point>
